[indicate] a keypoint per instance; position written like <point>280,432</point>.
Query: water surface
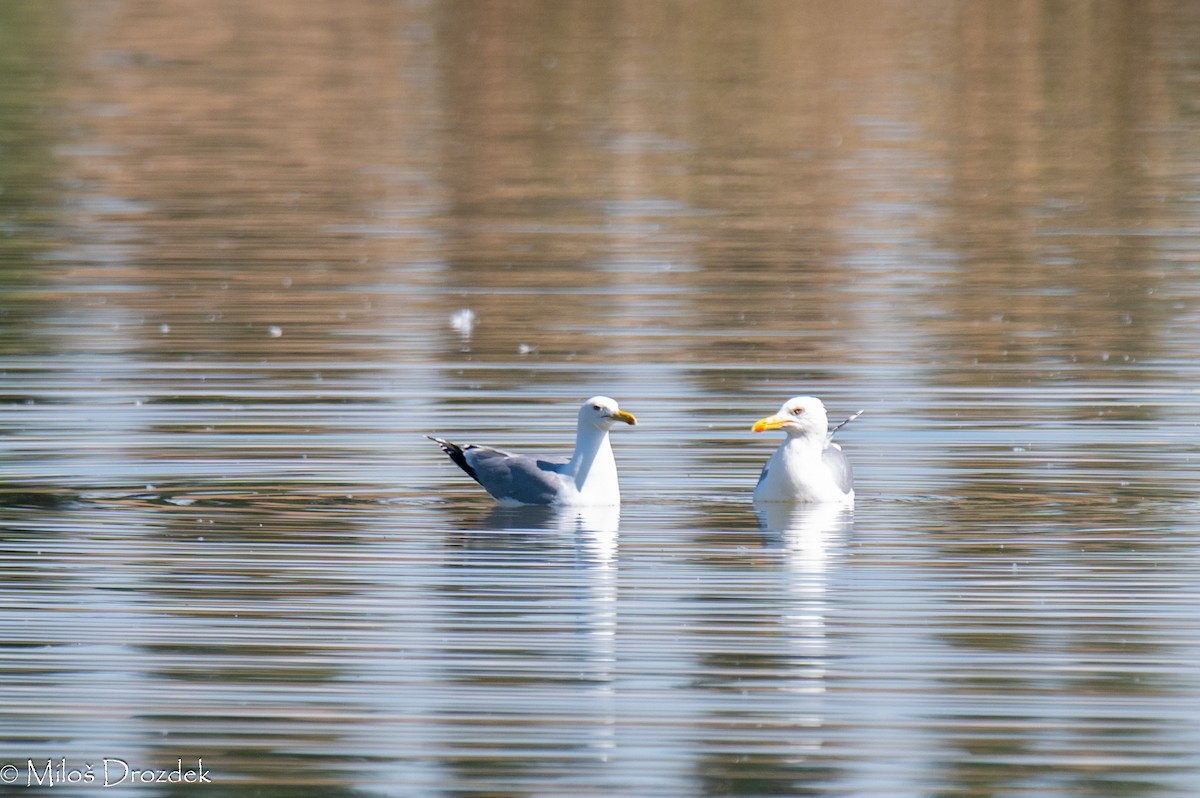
<point>237,242</point>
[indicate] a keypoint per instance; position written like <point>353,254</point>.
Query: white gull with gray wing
<point>808,466</point>
<point>587,477</point>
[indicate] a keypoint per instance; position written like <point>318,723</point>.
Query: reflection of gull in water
<point>530,527</point>
<point>808,531</point>
<point>602,519</point>
<point>794,521</point>
<point>587,477</point>
<point>593,586</point>
<point>812,535</point>
<point>808,466</point>
<point>527,590</point>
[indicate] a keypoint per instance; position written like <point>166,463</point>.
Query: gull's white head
<point>600,411</point>
<point>799,416</point>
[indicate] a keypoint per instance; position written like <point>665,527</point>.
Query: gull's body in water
<point>808,466</point>
<point>587,477</point>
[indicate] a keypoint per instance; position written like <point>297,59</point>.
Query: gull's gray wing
<point>838,464</point>
<point>506,476</point>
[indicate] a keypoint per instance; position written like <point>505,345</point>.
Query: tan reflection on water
<point>792,182</point>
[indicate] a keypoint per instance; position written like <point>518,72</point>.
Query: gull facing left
<point>587,477</point>
<point>808,466</point>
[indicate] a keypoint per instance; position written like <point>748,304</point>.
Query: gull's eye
<point>797,411</point>
<point>597,407</point>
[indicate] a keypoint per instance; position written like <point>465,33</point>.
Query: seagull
<point>587,477</point>
<point>808,466</point>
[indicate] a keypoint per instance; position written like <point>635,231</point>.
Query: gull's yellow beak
<point>628,418</point>
<point>770,423</point>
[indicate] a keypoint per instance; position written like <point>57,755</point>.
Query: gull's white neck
<point>806,442</point>
<point>593,456</point>
<point>795,473</point>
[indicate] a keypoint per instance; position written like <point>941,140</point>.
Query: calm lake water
<point>251,252</point>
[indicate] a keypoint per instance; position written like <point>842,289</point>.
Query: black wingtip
<point>456,453</point>
<point>844,423</point>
